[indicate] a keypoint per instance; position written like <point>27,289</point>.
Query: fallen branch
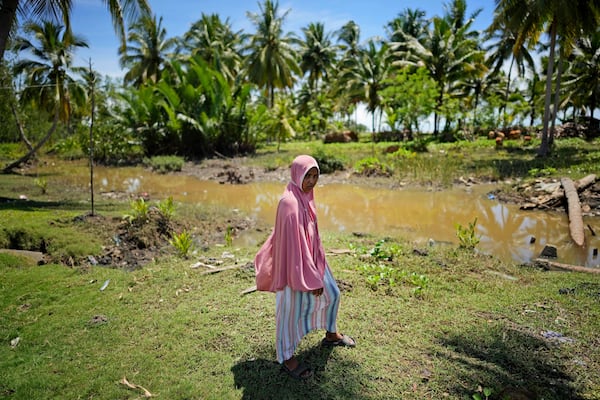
<point>556,266</point>
<point>214,271</point>
<point>125,382</point>
<point>249,290</point>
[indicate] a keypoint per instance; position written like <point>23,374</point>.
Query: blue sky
<point>91,20</point>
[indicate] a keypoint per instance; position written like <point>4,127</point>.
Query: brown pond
<point>420,215</point>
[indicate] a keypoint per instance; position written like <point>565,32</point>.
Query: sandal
<point>345,341</point>
<point>301,372</point>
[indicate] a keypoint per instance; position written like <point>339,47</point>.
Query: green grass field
<point>437,322</point>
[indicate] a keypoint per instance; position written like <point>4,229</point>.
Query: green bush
<point>165,164</point>
<point>372,166</point>
<point>328,163</point>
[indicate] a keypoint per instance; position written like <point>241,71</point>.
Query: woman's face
<point>310,180</point>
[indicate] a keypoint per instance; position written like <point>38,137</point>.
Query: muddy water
<point>421,216</point>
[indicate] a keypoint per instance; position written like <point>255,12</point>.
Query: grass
<point>181,334</point>
<point>443,163</point>
<point>450,324</point>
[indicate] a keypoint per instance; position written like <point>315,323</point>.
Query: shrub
<point>328,163</point>
<point>372,166</point>
<point>164,164</point>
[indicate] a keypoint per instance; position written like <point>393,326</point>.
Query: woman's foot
<point>338,339</point>
<point>297,369</point>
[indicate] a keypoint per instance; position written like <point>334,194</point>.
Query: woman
<point>291,263</point>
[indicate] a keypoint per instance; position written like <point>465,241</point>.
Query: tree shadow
<point>7,203</point>
<point>260,378</point>
<point>510,360</point>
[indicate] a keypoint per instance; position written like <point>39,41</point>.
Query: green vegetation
<point>183,242</point>
<point>463,329</point>
<point>165,164</point>
<point>439,322</point>
<point>433,322</point>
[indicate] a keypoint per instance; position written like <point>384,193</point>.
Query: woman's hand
<point>317,292</point>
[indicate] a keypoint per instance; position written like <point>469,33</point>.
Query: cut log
<point>584,182</point>
<point>574,206</point>
<point>556,266</point>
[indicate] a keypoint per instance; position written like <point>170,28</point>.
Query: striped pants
<point>298,313</point>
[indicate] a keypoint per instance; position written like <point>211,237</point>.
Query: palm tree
<point>146,54</point>
<point>365,80</point>
<point>120,11</point>
<point>48,79</point>
<point>450,54</point>
<point>271,62</point>
<point>349,43</point>
<point>562,20</point>
<point>585,75</point>
<point>409,23</point>
<point>317,54</point>
<point>47,76</point>
<point>216,42</point>
<point>504,48</point>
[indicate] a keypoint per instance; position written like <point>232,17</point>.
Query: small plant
<point>42,184</point>
<point>182,242</point>
<point>229,236</point>
<point>167,208</point>
<point>467,237</point>
<point>487,392</point>
<point>139,211</point>
<point>420,283</point>
<point>539,172</point>
<point>372,166</point>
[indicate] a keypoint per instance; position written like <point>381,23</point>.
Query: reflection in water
<point>419,215</point>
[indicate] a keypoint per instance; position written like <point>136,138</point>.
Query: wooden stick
<point>553,265</point>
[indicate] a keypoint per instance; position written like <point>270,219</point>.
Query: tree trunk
<point>32,152</point>
<point>556,99</point>
<point>8,12</point>
<point>543,150</point>
<point>574,210</point>
<point>512,61</point>
<point>20,127</point>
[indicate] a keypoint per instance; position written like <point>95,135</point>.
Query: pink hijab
<point>293,254</point>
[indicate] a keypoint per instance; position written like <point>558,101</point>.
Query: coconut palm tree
<point>272,61</point>
<point>147,51</point>
<point>49,84</point>
<point>60,10</point>
<point>563,21</point>
<point>365,78</point>
<point>47,75</point>
<point>450,55</point>
<point>317,54</point>
<point>215,41</point>
<point>348,38</point>
<point>504,48</point>
<point>409,23</point>
<point>584,78</point>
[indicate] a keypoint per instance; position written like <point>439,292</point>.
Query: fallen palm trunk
<point>574,211</point>
<point>553,265</point>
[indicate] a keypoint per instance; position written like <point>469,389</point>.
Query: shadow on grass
<point>7,203</point>
<point>510,361</point>
<point>265,379</point>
